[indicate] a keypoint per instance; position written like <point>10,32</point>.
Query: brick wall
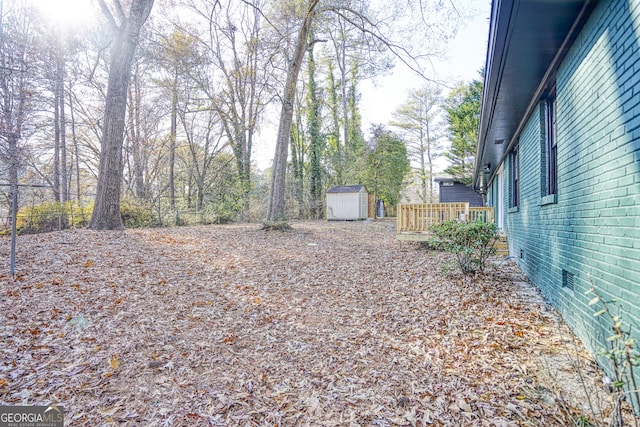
<point>592,231</point>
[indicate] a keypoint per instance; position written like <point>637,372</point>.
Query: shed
<point>453,191</point>
<point>347,202</point>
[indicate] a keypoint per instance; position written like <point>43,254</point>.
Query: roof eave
<point>497,33</point>
<point>529,55</point>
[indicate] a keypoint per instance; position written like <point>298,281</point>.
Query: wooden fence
<point>417,218</point>
<point>484,214</point>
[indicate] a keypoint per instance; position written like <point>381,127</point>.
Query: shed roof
<point>346,189</point>
<point>444,177</point>
<point>527,39</point>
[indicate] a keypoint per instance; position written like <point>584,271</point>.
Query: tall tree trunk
<point>430,160</point>
<point>64,175</point>
<point>106,211</point>
<point>335,121</point>
<point>135,138</point>
<point>76,148</point>
<point>426,198</point>
<point>316,142</point>
<point>14,105</point>
<point>246,174</point>
<point>276,208</point>
<point>172,140</point>
<point>200,196</point>
<point>56,146</point>
<point>297,162</point>
<point>346,156</point>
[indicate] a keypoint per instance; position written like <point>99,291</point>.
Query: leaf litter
<point>328,324</point>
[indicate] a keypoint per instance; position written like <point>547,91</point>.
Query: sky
<point>466,56</point>
<point>66,12</point>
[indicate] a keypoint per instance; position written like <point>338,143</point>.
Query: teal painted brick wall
<point>593,230</point>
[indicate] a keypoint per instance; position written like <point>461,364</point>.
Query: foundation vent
<point>567,280</point>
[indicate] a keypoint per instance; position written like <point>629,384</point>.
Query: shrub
<point>471,242</point>
<point>50,216</point>
<point>135,214</point>
<point>226,211</point>
<point>621,350</point>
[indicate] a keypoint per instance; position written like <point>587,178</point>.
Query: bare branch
<point>313,42</point>
<point>119,11</point>
<point>107,13</point>
<point>397,50</point>
<point>265,17</point>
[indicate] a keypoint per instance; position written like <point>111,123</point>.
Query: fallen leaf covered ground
<point>329,324</point>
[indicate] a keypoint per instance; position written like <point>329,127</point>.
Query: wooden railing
<point>484,214</point>
<point>417,218</point>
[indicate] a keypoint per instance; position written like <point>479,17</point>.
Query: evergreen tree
<point>463,116</point>
<point>355,145</point>
<point>387,165</point>
<point>316,141</point>
<point>335,150</point>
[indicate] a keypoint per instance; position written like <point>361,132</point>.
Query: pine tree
<point>463,111</point>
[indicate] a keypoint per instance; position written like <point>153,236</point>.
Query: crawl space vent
<point>567,280</point>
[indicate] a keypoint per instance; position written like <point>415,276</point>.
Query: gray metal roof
<point>527,39</point>
<point>346,189</point>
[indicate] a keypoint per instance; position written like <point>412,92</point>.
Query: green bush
<point>135,214</point>
<point>226,211</point>
<point>50,216</point>
<point>472,243</point>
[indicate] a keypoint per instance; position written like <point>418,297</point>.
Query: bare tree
<point>276,208</point>
<point>145,146</point>
<point>175,53</point>
<point>238,85</point>
<point>420,119</point>
<point>204,138</point>
<point>106,212</point>
<point>376,35</point>
<point>16,89</point>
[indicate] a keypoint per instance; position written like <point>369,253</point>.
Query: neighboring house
<point>347,202</point>
<point>452,191</point>
<point>559,150</point>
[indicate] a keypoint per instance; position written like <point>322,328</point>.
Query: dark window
<point>514,177</point>
<point>551,146</point>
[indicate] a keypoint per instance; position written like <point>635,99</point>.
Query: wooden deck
<point>414,220</point>
<point>417,218</point>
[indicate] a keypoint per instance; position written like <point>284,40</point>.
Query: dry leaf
<point>114,362</point>
<point>357,329</point>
